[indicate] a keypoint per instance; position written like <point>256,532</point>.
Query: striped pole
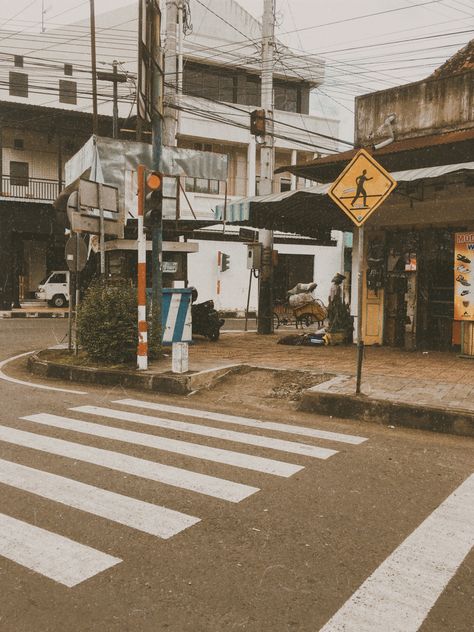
<point>142,350</point>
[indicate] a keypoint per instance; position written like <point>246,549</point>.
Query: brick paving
<point>440,379</point>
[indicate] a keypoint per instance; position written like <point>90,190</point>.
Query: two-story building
<point>425,130</point>
<point>218,87</point>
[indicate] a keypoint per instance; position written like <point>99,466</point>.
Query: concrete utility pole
<point>265,298</point>
<point>94,68</point>
<point>170,120</point>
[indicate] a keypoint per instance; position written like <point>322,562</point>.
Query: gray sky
<point>358,52</point>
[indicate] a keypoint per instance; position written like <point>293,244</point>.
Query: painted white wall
<point>203,271</point>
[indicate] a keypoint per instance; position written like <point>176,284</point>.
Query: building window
<point>18,61</point>
<point>67,91</point>
<point>209,83</point>
<point>202,185</point>
<point>68,69</point>
<point>18,143</point>
<point>285,184</point>
<point>202,146</point>
<point>18,84</point>
<point>286,97</point>
<point>19,174</point>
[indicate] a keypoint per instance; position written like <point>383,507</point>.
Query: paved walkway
<point>439,379</point>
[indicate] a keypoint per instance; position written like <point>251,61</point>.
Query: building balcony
<point>38,190</point>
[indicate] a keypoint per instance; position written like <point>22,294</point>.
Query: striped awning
<point>247,209</point>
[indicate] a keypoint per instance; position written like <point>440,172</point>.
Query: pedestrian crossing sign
<point>362,187</point>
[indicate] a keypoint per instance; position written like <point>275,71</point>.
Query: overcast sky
<point>405,42</point>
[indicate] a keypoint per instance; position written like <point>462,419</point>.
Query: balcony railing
<point>33,189</point>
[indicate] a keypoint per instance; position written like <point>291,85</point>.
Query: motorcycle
<point>206,321</point>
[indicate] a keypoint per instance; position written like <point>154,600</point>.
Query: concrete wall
<point>421,108</point>
<point>203,271</point>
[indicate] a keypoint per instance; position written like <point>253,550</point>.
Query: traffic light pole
<point>265,298</point>
<point>142,348</point>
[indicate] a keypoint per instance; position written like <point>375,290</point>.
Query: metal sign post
<point>359,191</point>
<point>360,290</point>
<point>76,258</point>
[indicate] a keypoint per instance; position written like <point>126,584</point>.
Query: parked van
<point>54,289</point>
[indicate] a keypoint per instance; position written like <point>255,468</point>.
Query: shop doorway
<point>436,290</point>
<point>290,270</point>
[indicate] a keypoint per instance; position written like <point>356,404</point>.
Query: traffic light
<point>225,262</point>
<point>153,197</point>
<point>257,123</point>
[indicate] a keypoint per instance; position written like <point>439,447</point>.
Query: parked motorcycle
<point>206,321</point>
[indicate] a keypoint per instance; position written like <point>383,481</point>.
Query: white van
<point>54,289</point>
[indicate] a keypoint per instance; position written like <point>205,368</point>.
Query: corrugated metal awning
<point>310,211</point>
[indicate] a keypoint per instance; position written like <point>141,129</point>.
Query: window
<point>59,277</point>
<point>19,174</point>
<point>68,69</point>
<point>285,184</point>
<point>287,98</point>
<point>18,143</point>
<point>18,61</point>
<point>18,84</point>
<point>252,96</point>
<point>201,185</point>
<point>202,146</point>
<point>210,83</point>
<point>67,91</point>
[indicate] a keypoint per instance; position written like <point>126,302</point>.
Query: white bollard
<point>179,357</point>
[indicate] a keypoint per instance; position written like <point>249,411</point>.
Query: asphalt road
<point>213,531</point>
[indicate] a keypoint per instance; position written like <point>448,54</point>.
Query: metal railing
<point>29,188</point>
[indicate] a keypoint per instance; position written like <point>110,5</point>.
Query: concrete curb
<point>364,408</point>
<point>9,314</point>
<point>178,384</point>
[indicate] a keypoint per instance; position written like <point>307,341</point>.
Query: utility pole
<point>265,298</point>
<point>94,69</point>
<point>170,121</point>
<point>115,78</point>
<point>157,143</point>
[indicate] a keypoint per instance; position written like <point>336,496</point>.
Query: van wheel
<point>59,300</point>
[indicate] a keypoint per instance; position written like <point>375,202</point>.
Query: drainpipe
<point>386,129</point>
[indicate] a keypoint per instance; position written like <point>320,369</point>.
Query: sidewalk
<point>35,312</point>
<point>429,390</point>
<point>432,390</point>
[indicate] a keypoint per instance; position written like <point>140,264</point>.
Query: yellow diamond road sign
<point>362,187</point>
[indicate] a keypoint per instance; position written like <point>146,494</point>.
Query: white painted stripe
<point>8,378</point>
<point>244,421</point>
<point>131,512</point>
<point>177,477</point>
<point>400,593</point>
<point>50,554</point>
<point>142,313</point>
<point>217,455</point>
<point>207,431</point>
<point>171,318</point>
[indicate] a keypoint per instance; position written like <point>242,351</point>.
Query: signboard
<point>170,267</point>
<point>463,276</point>
<point>362,187</point>
<point>76,253</point>
<point>83,209</point>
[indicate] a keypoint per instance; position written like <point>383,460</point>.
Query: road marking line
<point>13,380</point>
<point>244,421</point>
<point>400,593</point>
<point>50,554</point>
<point>208,431</point>
<point>217,455</point>
<point>177,477</point>
<point>146,517</point>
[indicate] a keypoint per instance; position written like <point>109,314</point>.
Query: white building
<point>220,87</point>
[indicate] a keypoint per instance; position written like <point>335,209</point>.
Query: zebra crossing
<point>69,562</point>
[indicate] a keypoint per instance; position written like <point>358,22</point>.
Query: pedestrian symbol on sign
<point>351,193</point>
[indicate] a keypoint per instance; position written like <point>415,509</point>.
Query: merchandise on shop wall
<point>463,276</point>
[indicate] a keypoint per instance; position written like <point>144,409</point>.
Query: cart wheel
<point>276,321</point>
<point>306,320</point>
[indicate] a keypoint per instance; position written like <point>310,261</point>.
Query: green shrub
<point>107,322</point>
